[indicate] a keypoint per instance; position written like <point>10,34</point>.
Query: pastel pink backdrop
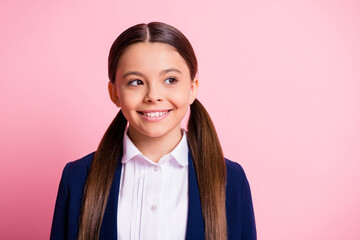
<point>281,80</point>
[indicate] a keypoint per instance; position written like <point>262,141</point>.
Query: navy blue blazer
<point>239,207</point>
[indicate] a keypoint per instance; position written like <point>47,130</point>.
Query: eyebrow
<point>170,70</point>
<point>163,72</point>
<point>133,73</point>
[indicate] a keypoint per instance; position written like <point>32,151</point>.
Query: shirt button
<point>153,208</point>
<point>156,168</point>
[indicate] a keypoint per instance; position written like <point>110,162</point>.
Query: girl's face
<point>153,88</point>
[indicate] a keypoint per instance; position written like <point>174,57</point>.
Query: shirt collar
<point>179,153</point>
<point>129,149</point>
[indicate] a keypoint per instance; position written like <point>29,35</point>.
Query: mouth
<point>154,114</point>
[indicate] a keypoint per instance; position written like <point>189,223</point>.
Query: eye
<point>135,82</point>
<point>171,81</point>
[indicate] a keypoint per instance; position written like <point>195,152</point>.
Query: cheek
<point>181,99</point>
<point>128,99</point>
<point>127,105</point>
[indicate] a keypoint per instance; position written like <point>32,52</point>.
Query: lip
<point>155,110</point>
<point>155,119</point>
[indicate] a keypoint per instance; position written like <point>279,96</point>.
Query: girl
<point>149,178</point>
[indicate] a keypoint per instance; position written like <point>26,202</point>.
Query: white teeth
<point>154,114</point>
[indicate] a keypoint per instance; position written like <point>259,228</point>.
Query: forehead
<point>151,57</point>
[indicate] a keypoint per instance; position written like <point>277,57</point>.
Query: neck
<point>155,147</point>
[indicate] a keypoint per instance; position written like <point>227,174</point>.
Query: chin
<point>155,133</point>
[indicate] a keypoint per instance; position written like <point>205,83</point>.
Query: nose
<point>153,94</point>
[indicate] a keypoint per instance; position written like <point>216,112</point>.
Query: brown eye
<point>171,81</point>
<point>135,82</point>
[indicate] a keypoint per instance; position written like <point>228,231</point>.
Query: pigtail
<point>210,170</point>
<point>100,178</point>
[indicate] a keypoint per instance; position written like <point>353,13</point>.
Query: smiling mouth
<point>155,114</point>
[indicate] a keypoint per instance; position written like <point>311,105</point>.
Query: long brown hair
<point>202,138</point>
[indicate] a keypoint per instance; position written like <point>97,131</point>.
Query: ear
<point>194,90</point>
<point>113,94</point>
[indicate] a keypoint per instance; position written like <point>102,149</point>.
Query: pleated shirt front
<point>153,197</point>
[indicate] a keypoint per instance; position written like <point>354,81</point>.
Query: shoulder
<point>234,171</point>
<point>80,164</point>
<point>69,198</point>
<point>236,180</point>
<point>76,171</point>
<point>239,208</point>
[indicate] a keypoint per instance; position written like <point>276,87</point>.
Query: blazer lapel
<point>108,229</point>
<point>195,222</point>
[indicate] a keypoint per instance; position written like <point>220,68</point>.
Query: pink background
<point>281,80</point>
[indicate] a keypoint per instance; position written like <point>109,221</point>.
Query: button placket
<point>157,185</point>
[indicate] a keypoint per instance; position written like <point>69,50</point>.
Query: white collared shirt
<point>153,197</point>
